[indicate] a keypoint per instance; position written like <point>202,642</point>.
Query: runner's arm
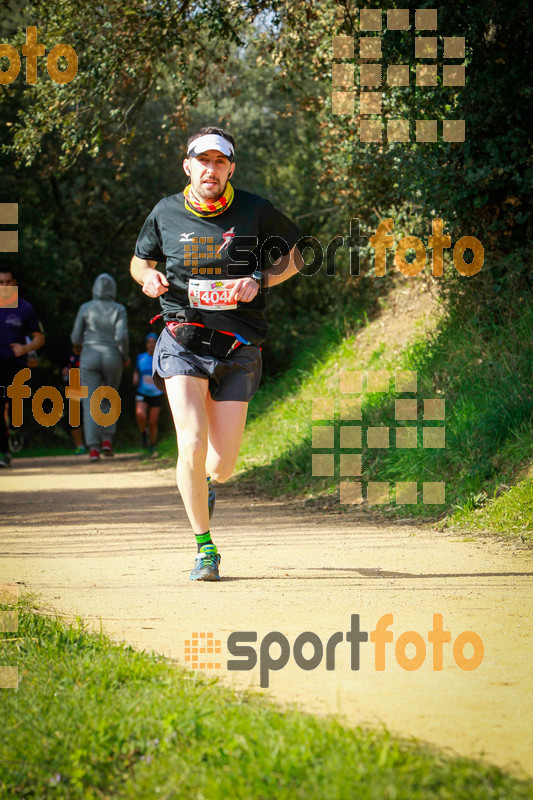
<point>153,282</point>
<point>283,269</point>
<point>37,341</point>
<point>245,289</point>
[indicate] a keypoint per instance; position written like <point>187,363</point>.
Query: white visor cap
<point>211,141</point>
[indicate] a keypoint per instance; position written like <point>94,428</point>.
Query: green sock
<point>201,539</point>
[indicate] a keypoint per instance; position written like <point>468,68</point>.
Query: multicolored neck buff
<point>213,209</point>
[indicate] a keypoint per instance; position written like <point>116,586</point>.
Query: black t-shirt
<point>230,245</point>
<point>15,325</point>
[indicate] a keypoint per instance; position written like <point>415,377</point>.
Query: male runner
<point>21,332</point>
<point>214,240</point>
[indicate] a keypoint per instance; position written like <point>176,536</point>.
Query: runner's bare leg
<point>141,413</point>
<point>153,416</point>
<point>187,397</point>
<point>209,435</point>
<point>226,421</point>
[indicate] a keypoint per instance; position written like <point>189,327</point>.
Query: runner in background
<point>20,333</point>
<point>101,329</point>
<point>148,398</point>
<point>217,243</point>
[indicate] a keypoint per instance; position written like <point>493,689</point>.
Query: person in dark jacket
<point>101,329</point>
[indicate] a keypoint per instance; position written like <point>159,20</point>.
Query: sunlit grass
<point>510,514</point>
<point>91,719</point>
<point>482,371</point>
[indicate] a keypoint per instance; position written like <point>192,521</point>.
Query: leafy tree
<point>87,160</point>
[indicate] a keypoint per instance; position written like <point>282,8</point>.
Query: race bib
<point>210,295</point>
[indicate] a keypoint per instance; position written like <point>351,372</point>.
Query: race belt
<point>204,341</point>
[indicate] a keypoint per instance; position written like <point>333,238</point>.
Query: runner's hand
<point>243,289</point>
<point>155,283</point>
<point>18,349</point>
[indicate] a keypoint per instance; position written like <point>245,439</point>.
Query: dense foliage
<point>87,160</point>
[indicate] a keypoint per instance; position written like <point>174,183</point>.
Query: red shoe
<point>94,455</point>
<point>107,448</point>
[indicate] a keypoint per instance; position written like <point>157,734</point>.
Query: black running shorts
<point>150,400</point>
<point>236,377</point>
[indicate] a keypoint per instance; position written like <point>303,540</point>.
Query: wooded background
<point>86,161</point>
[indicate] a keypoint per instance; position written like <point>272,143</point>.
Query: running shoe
<point>207,562</point>
<point>152,451</point>
<point>4,460</point>
<point>107,448</point>
<point>94,455</point>
<point>144,439</point>
<point>210,497</point>
<point>80,451</point>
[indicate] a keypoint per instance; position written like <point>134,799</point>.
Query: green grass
<point>510,514</point>
<point>480,366</point>
<point>91,719</point>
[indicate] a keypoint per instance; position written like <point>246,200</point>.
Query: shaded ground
<point>110,542</point>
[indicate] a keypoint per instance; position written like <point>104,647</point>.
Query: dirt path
<point>110,542</point>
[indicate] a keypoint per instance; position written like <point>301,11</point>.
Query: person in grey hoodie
<point>101,329</point>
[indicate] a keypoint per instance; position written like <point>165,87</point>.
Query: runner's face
<point>150,346</point>
<point>7,279</point>
<point>209,173</point>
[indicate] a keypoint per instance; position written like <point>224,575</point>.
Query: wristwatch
<point>257,275</point>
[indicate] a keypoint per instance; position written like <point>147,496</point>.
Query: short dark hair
<point>206,131</point>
